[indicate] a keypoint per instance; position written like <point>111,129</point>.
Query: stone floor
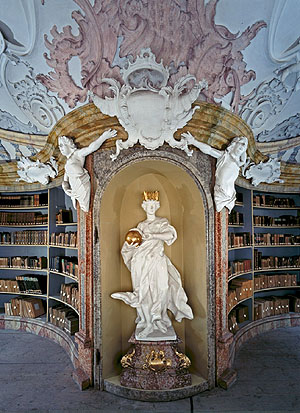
<point>35,375</point>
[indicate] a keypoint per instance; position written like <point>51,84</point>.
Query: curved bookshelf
<point>277,226</point>
<point>63,247</point>
<point>19,293</point>
<point>277,269</point>
<point>275,208</point>
<point>239,248</point>
<point>23,207</point>
<point>276,245</point>
<point>239,302</point>
<point>62,274</point>
<point>47,212</point>
<point>23,245</point>
<point>57,298</point>
<point>24,225</point>
<point>67,224</point>
<point>239,275</point>
<point>291,232</point>
<point>23,269</point>
<point>290,287</point>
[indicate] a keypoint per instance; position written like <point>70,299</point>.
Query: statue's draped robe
<point>227,171</point>
<point>79,180</point>
<point>156,282</point>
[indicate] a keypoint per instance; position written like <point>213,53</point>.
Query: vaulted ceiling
<point>52,52</point>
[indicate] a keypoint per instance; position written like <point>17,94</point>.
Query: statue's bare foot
<point>141,324</point>
<point>161,327</point>
<point>146,332</point>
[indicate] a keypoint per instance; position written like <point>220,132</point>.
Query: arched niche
<point>117,209</point>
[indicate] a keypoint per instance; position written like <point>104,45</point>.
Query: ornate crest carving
<point>150,111</point>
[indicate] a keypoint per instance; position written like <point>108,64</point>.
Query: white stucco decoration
<point>148,109</point>
<point>156,282</point>
<point>228,166</point>
<point>268,172</point>
<point>76,182</point>
<point>36,171</point>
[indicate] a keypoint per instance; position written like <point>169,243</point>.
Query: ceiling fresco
<point>54,53</point>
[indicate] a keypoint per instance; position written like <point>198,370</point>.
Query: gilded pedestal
<point>155,365</point>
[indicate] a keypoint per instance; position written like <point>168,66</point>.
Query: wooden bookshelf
<point>50,284</point>
<point>65,224</point>
<point>24,269</point>
<point>23,208</point>
<point>63,247</point>
<point>63,274</point>
<point>242,252</point>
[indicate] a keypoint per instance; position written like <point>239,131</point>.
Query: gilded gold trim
<point>184,361</point>
<point>156,361</point>
<point>126,360</point>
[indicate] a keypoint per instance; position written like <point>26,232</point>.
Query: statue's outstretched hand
<point>110,133</point>
<point>189,138</point>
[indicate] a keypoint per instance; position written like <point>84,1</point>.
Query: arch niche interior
<point>120,209</point>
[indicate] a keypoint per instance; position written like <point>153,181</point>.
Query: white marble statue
<point>36,171</point>
<point>76,181</point>
<point>228,166</point>
<point>156,282</point>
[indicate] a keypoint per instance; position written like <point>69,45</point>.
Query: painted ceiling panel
<point>52,53</point>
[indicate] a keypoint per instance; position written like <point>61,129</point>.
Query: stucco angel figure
<point>228,166</point>
<point>156,282</point>
<point>76,181</point>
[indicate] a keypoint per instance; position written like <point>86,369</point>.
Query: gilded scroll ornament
<point>126,360</point>
<point>156,361</point>
<point>184,361</point>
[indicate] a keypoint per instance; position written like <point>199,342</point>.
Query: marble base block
<point>155,365</point>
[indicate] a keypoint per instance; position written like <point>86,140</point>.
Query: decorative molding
<point>210,124</point>
<point>2,43</point>
<point>265,103</point>
<point>287,150</point>
<point>10,151</point>
<point>150,111</point>
<point>289,128</point>
<point>33,99</point>
<point>291,52</point>
<point>10,122</point>
<point>267,172</point>
<point>35,171</point>
<point>36,142</point>
<point>211,51</point>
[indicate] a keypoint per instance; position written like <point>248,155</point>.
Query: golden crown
<point>151,196</point>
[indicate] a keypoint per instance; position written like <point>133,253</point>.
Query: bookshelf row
<point>244,239</point>
<point>268,306</point>
<point>59,315</point>
<point>49,252</point>
<point>38,237</point>
<point>262,262</point>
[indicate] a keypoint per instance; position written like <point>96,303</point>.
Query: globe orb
<point>133,237</point>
